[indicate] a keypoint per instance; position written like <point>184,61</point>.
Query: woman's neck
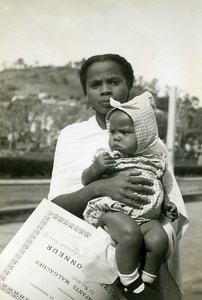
<point>101,120</point>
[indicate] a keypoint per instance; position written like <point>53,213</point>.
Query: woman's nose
<point>105,89</point>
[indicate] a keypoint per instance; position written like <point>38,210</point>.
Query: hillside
<point>51,98</point>
<point>62,82</point>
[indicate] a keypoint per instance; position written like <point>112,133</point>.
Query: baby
<point>132,132</point>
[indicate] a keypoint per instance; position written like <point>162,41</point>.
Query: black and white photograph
<point>100,149</point>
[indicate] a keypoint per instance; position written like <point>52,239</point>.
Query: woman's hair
<point>125,66</point>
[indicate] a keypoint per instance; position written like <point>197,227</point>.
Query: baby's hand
<point>169,209</point>
<point>104,162</point>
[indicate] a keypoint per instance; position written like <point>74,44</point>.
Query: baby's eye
<point>124,132</point>
<point>111,131</point>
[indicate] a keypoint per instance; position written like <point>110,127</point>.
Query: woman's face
<point>104,80</point>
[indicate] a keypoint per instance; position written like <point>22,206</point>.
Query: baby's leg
<point>128,237</point>
<point>156,247</point>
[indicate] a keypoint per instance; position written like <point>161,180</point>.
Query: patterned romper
<point>152,166</point>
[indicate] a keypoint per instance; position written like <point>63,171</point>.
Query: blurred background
<point>44,43</point>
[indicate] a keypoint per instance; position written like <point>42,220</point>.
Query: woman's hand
<point>126,187</point>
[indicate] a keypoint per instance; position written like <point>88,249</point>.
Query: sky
<point>162,39</point>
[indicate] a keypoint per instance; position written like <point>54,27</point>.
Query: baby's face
<point>122,135</point>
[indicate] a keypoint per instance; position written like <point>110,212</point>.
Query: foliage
<point>188,170</point>
<point>31,124</point>
<point>36,167</point>
<point>36,102</point>
<point>20,167</point>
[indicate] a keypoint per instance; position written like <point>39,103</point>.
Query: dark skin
<point>169,209</point>
<point>103,164</point>
<point>104,80</point>
<point>120,187</point>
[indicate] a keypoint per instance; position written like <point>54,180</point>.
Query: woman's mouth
<point>105,103</point>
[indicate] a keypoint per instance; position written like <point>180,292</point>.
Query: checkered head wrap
<point>141,109</point>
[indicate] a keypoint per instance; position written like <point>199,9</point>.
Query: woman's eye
<point>95,84</point>
<point>114,82</point>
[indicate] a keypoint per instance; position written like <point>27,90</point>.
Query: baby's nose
<point>116,137</point>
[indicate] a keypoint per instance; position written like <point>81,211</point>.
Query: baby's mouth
<point>117,148</point>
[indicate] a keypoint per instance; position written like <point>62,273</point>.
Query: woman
<point>102,77</point>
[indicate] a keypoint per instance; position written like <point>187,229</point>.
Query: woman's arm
<point>126,187</point>
<point>76,202</point>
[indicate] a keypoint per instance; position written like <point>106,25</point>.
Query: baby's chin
<point>117,153</point>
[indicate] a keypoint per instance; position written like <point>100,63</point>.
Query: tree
<point>20,64</point>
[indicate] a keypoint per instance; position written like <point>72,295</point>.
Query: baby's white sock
<point>127,279</point>
<point>147,277</point>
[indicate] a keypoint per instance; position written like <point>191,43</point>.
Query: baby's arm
<point>101,164</point>
<point>169,209</point>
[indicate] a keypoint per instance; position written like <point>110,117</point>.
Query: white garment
<point>75,148</point>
